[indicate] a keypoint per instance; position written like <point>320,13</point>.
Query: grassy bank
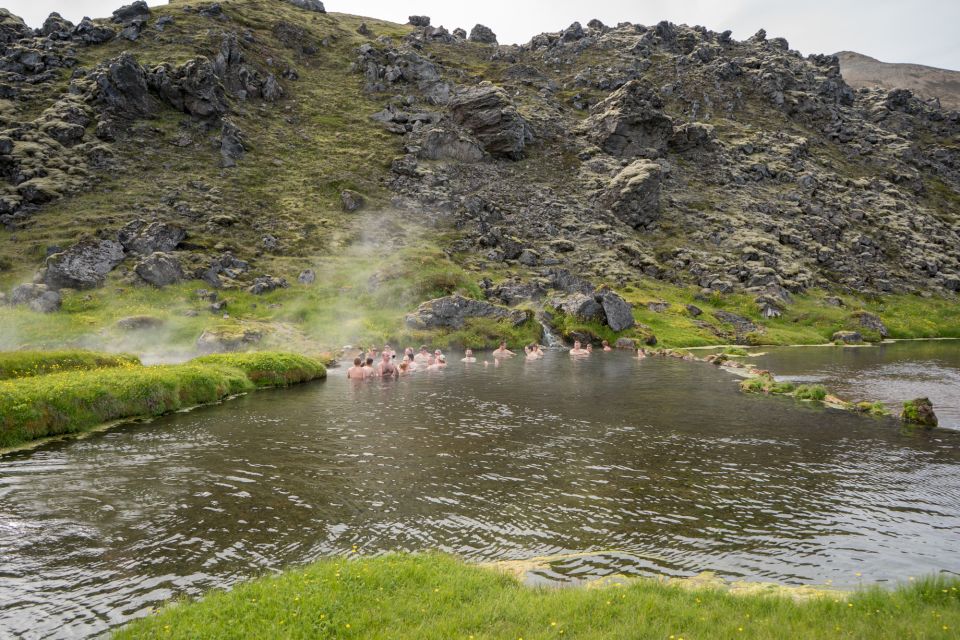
<point>59,403</point>
<point>437,596</point>
<point>25,364</point>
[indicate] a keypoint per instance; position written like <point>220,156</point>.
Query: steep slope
<point>250,144</point>
<point>862,71</point>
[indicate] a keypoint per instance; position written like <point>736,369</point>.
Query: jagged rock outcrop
<point>602,305</point>
<point>193,87</point>
<point>483,34</point>
<point>12,28</point>
<point>85,265</point>
<point>454,311</point>
<point>630,122</point>
<point>488,113</point>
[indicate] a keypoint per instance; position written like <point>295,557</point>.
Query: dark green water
<point>655,466</point>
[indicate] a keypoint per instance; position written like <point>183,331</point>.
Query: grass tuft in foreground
<point>25,364</point>
<point>437,596</point>
<point>73,401</point>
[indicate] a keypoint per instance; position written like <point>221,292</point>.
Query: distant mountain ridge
<point>928,82</point>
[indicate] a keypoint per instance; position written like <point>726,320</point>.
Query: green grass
<point>437,596</point>
<point>25,364</point>
<point>810,392</point>
<point>73,401</point>
<point>269,369</point>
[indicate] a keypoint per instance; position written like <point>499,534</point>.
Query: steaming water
<point>654,466</point>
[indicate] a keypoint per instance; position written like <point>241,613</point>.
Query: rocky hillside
<point>931,83</point>
<point>239,142</point>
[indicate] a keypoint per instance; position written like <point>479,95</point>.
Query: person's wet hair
<point>357,362</point>
<point>369,360</point>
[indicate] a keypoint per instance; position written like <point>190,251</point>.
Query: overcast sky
<point>919,31</point>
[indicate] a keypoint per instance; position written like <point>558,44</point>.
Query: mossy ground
<point>39,406</point>
<point>436,596</point>
<point>26,364</point>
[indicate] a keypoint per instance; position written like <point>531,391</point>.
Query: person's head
<point>408,351</point>
<point>589,346</point>
<point>469,353</point>
<point>576,344</point>
<point>357,362</point>
<point>442,359</point>
<point>605,343</point>
<point>437,353</point>
<point>385,357</point>
<point>369,361</point>
<point>408,358</point>
<point>503,344</point>
<point>423,349</point>
<point>387,347</point>
<point>533,346</point>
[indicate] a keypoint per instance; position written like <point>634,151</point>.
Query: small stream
<point>653,466</point>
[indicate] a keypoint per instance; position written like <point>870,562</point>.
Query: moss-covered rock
<point>919,412</point>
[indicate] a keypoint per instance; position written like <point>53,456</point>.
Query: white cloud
<point>921,31</point>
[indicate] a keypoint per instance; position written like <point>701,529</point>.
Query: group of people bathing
<point>369,365</point>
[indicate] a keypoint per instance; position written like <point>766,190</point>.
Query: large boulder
<point>489,114</point>
<point>618,312</point>
<point>56,27</point>
<point>39,297</point>
<point>872,322</point>
<point>847,337</point>
<point>634,194</point>
<point>84,265</point>
<point>138,11</point>
<point>419,21</point>
<point>482,34</point>
<point>630,122</point>
<point>603,306</point>
<point>159,269</point>
<point>120,86</point>
<point>89,32</point>
<point>453,311</point>
<point>144,238</point>
<point>309,5</point>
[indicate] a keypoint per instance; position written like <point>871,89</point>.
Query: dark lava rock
<point>39,297</point>
<point>489,114</point>
<point>121,87</point>
<point>919,411</point>
<point>309,5</point>
<point>91,33</point>
<point>231,144</point>
<point>419,21</point>
<point>453,311</point>
<point>84,265</point>
<point>145,238</point>
<point>56,27</point>
<point>694,310</point>
<point>630,122</point>
<point>12,28</point>
<point>193,87</point>
<point>265,284</point>
<point>872,322</point>
<point>159,269</point>
<point>307,276</point>
<point>483,34</point>
<point>634,194</point>
<point>618,312</point>
<point>128,13</point>
<point>740,324</point>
